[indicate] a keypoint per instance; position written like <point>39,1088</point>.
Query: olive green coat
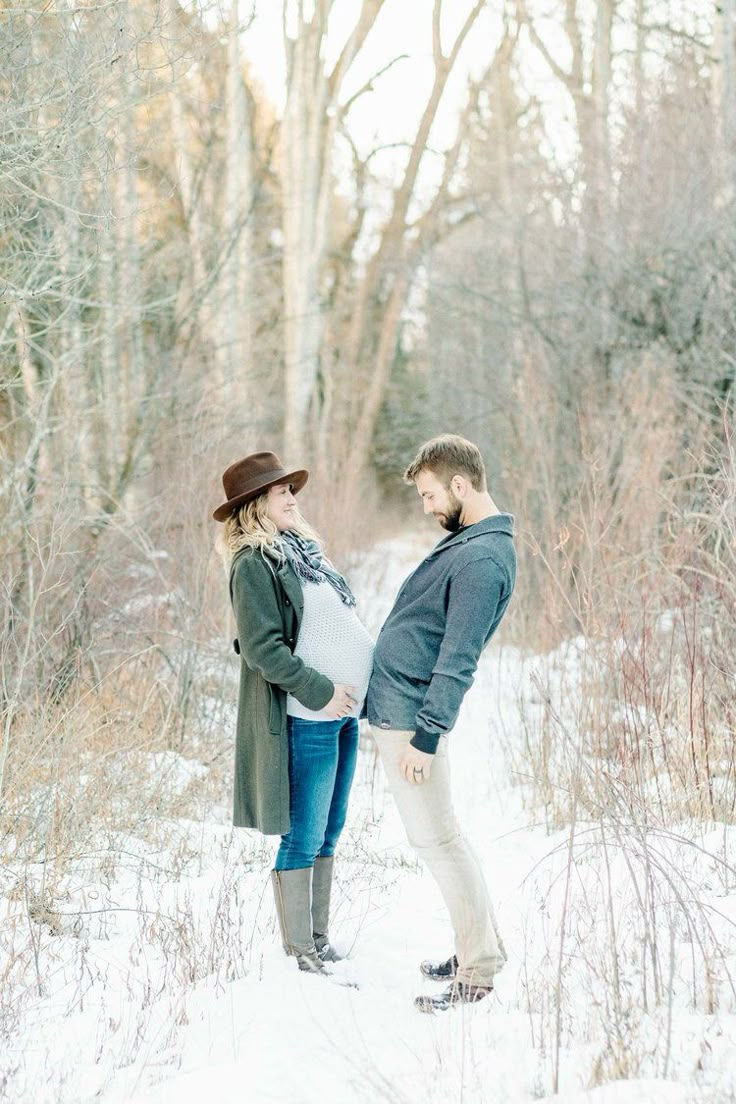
<point>268,604</point>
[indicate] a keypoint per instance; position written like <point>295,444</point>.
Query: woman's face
<point>281,506</point>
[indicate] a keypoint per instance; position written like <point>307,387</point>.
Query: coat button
<point>288,602</point>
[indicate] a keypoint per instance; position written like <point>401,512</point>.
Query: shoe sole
<point>435,1004</point>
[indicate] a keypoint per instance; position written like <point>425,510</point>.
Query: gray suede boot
<point>292,893</point>
<point>321,890</point>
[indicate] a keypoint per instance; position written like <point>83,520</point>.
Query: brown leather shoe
<point>460,992</point>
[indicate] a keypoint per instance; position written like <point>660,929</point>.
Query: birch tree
<point>236,283</point>
<point>341,322</point>
<point>381,294</point>
<point>308,132</point>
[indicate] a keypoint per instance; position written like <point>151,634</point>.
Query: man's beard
<point>451,520</point>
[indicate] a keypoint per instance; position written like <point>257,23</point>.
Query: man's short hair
<point>446,456</point>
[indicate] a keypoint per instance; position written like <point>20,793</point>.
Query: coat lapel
<point>290,583</point>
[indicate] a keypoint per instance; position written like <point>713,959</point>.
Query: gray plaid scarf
<point>311,566</point>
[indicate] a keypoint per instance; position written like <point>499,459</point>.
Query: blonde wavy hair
<point>251,527</point>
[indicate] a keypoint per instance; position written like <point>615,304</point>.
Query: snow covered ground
<point>166,980</point>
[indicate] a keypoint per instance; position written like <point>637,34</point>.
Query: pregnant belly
<point>352,670</point>
<point>347,670</point>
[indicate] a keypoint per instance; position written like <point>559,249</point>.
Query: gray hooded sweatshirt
<point>444,615</point>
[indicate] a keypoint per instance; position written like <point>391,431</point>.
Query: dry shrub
<point>106,663</point>
<point>636,710</point>
<point>75,767</point>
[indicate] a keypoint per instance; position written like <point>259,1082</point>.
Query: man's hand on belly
<point>415,765</point>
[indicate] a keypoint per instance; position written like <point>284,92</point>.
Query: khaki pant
<point>435,835</point>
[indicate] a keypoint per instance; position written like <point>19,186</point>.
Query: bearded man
<point>424,663</point>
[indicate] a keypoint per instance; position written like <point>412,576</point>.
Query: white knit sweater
<point>334,641</point>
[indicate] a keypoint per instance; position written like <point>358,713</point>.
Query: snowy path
<point>188,996</point>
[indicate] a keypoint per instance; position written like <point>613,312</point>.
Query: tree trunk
<point>194,309</point>
<point>131,374</point>
<point>111,414</point>
<point>235,292</point>
<point>597,148</point>
<point>341,324</point>
<point>304,177</point>
<point>725,79</point>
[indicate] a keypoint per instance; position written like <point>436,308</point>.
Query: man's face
<point>440,501</point>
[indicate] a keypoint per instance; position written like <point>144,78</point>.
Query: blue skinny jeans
<point>322,758</point>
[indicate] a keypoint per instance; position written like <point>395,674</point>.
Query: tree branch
<point>465,31</point>
<point>674,32</point>
<point>406,191</point>
<point>368,86</point>
<point>427,225</point>
<point>369,13</point>
<point>574,34</point>
<point>436,36</point>
<point>524,17</point>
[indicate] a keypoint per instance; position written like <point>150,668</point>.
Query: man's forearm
<point>440,708</point>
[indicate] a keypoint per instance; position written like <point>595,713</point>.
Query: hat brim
<point>296,478</point>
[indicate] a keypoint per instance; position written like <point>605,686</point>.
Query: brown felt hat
<point>247,478</point>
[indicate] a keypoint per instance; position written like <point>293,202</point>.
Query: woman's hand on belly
<point>342,702</point>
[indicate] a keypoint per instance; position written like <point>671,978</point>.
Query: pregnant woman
<point>305,663</point>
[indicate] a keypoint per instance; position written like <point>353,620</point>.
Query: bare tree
<point>587,79</point>
<point>237,285</point>
<point>308,133</point>
<point>341,322</point>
